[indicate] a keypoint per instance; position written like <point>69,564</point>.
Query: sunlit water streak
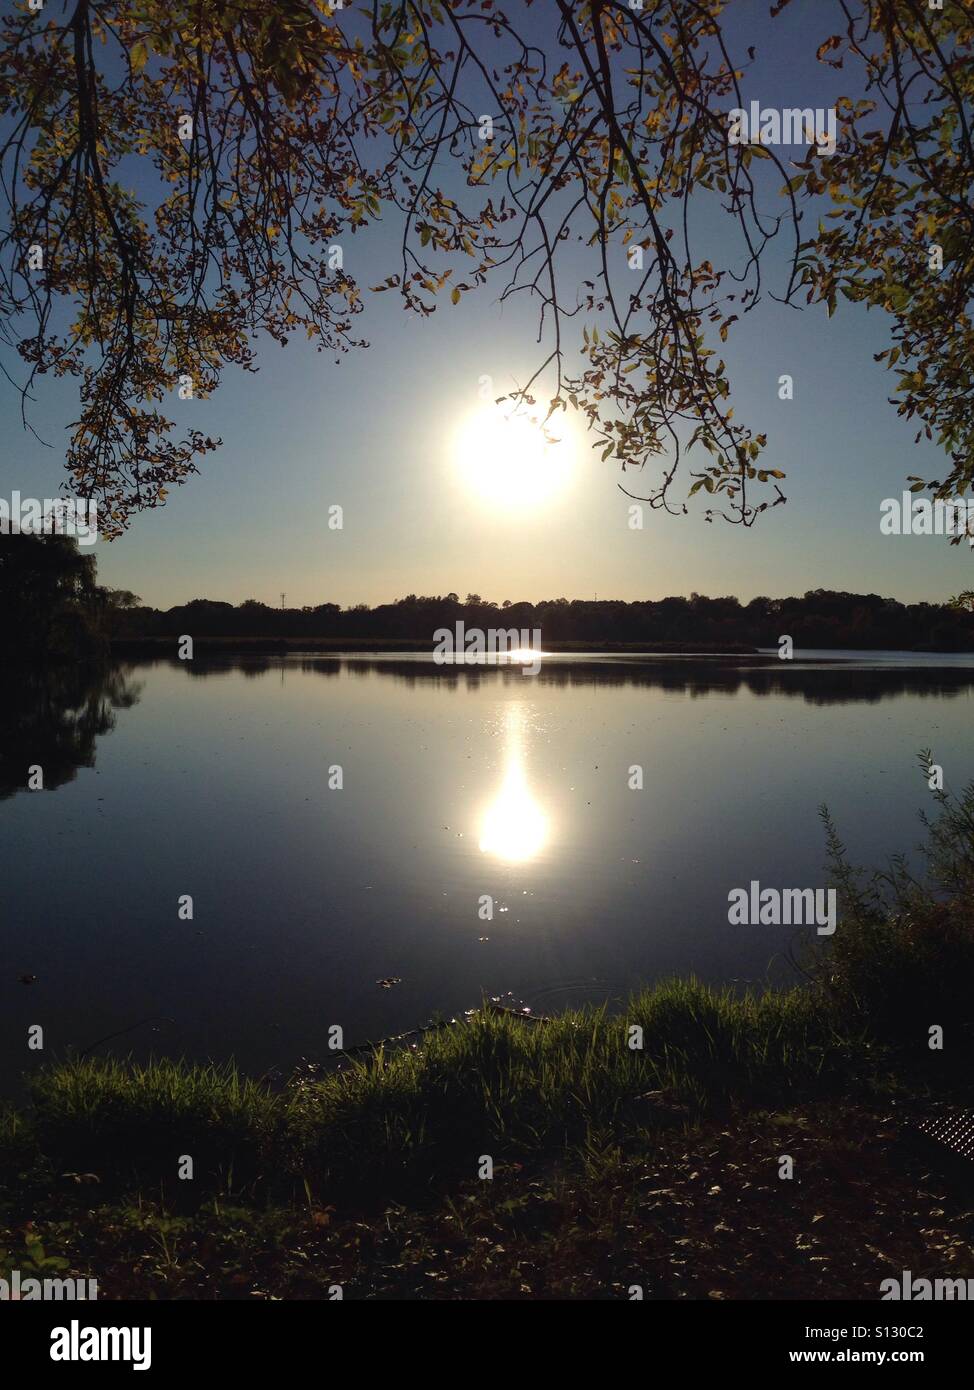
<point>514,826</point>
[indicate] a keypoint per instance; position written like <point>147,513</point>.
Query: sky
<point>377,435</point>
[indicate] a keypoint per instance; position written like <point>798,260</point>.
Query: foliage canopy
<point>183,170</point>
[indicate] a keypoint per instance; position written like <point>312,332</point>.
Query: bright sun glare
<point>514,827</point>
<point>508,457</point>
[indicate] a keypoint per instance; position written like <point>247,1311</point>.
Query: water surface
<point>211,779</point>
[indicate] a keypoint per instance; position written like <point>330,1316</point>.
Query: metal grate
<point>954,1129</point>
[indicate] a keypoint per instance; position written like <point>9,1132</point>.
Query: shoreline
<point>365,646</point>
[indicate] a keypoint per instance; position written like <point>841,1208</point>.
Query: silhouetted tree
<point>276,132</point>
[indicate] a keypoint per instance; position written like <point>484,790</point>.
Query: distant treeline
<point>819,618</point>
<point>53,608</point>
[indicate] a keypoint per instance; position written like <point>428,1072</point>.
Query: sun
<point>507,456</point>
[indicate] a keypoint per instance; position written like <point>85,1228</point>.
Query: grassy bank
<point>612,1164</point>
<point>403,1122</point>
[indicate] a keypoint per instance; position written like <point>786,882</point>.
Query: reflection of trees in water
<point>244,665</point>
<point>830,683</point>
<point>52,716</point>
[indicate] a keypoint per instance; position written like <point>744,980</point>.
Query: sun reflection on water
<point>514,827</point>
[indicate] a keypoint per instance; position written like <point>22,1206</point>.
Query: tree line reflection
<point>54,716</point>
<point>828,683</point>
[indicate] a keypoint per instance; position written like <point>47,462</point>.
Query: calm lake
<point>211,779</point>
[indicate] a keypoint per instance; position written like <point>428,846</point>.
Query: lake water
<point>211,779</point>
